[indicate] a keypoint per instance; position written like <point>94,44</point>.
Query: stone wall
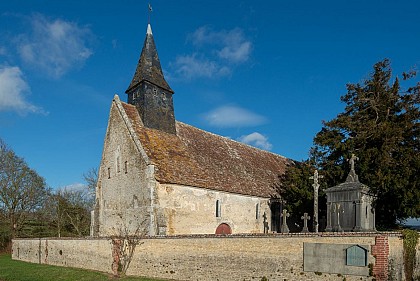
<point>125,183</point>
<point>193,210</point>
<point>211,257</point>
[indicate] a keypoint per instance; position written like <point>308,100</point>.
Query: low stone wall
<point>210,257</point>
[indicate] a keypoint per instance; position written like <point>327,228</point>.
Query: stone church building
<point>159,176</point>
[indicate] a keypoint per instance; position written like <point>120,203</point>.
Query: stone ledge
<point>244,235</point>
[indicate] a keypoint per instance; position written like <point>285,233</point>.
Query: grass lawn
<point>11,270</point>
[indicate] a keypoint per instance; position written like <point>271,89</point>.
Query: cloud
<point>54,46</point>
<point>238,53</point>
<point>216,53</point>
<point>230,44</point>
<point>233,116</point>
<point>190,66</point>
<point>257,140</point>
<point>13,88</point>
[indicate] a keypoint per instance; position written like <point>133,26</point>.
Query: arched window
<point>218,209</point>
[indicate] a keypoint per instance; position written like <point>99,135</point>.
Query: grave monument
<point>349,205</point>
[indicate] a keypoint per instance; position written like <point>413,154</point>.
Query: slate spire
<point>148,66</point>
<point>150,92</point>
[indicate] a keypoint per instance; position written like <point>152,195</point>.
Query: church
<point>159,176</point>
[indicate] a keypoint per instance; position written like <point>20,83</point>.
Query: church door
<point>223,229</point>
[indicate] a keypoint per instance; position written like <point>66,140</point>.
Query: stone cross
<point>315,185</point>
<point>305,218</point>
<point>284,227</point>
<point>352,176</point>
<point>352,160</point>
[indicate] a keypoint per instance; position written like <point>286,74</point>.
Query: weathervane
<point>150,11</point>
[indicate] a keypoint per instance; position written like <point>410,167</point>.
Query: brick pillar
<point>381,252</point>
<point>116,256</point>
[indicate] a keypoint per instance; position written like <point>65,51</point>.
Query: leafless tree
<point>22,190</point>
<point>124,244</point>
<point>68,209</point>
<point>91,179</point>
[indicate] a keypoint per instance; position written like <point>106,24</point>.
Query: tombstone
<point>305,218</point>
<point>284,227</point>
<point>349,205</point>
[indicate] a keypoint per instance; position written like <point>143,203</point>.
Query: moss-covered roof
<point>194,157</point>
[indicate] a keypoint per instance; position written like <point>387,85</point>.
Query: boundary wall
<point>214,257</point>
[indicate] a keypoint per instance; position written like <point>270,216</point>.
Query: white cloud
<point>237,53</point>
<point>190,66</point>
<point>54,46</point>
<point>257,140</point>
<point>229,44</point>
<point>233,116</point>
<point>217,53</point>
<point>13,88</point>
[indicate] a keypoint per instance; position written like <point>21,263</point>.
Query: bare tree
<point>91,179</point>
<point>22,190</point>
<point>124,244</point>
<point>69,210</point>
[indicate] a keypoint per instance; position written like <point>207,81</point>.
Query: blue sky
<point>262,72</point>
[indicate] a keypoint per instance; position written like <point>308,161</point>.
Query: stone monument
<point>349,205</point>
<point>315,185</point>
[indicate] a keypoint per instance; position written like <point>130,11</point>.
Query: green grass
<point>11,270</point>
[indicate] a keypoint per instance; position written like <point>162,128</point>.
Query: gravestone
<point>305,218</point>
<point>284,227</point>
<point>349,205</point>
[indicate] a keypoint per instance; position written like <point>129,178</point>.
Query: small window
<point>218,209</point>
<point>118,164</point>
<point>257,211</point>
<point>109,173</point>
<point>126,167</point>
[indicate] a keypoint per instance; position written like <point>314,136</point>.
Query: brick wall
<point>381,253</point>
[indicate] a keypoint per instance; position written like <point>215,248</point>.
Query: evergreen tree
<point>380,124</point>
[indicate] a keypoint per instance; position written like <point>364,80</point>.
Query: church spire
<point>150,92</point>
<point>148,66</point>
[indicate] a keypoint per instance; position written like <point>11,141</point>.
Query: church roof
<point>148,66</point>
<point>194,157</point>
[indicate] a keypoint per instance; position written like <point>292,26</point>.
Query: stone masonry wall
<point>211,257</point>
<point>193,210</point>
<point>123,193</point>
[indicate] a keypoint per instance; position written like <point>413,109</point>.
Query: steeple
<point>150,92</point>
